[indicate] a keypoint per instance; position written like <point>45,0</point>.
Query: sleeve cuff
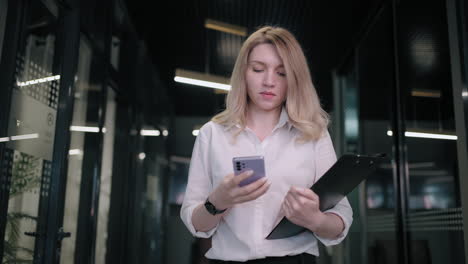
<point>186,216</point>
<point>347,223</point>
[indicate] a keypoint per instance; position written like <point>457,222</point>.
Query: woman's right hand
<point>229,193</point>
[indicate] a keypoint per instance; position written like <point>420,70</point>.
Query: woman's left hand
<point>301,206</point>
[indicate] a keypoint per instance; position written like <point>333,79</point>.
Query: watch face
<point>210,207</point>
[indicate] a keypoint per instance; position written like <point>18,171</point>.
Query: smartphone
<point>254,163</point>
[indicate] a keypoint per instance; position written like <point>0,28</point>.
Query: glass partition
<point>376,84</point>
<point>434,207</point>
<point>31,134</point>
<point>75,161</point>
<point>106,179</point>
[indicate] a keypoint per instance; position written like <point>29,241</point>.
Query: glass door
<point>434,214</point>
<point>27,157</point>
<point>106,179</point>
<point>79,127</point>
<point>376,115</point>
<point>411,210</point>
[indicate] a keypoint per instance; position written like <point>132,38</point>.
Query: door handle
<point>61,235</point>
<point>33,234</point>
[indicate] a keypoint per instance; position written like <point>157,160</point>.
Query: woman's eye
<point>282,74</point>
<point>257,70</point>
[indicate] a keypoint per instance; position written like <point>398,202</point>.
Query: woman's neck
<point>262,122</point>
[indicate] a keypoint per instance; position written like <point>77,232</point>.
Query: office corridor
<point>101,103</point>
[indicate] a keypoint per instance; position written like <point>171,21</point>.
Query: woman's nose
<point>269,79</point>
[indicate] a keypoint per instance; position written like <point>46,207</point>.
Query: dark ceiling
<point>177,38</point>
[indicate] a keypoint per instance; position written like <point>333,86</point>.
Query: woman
<point>272,110</point>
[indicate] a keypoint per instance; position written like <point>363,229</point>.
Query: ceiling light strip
<point>202,79</point>
<point>147,132</point>
<point>75,152</point>
<point>430,135</point>
<point>426,135</point>
<point>426,93</point>
<point>225,27</point>
<point>202,83</point>
<point>36,81</point>
<point>84,129</point>
<point>26,136</point>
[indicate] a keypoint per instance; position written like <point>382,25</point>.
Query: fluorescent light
<point>202,79</point>
<point>426,93</point>
<point>147,132</point>
<point>430,135</point>
<point>84,129</point>
<point>225,27</point>
<point>165,132</point>
<point>142,156</point>
<point>425,135</point>
<point>202,83</point>
<point>75,152</point>
<point>195,132</point>
<point>26,136</point>
<point>36,81</point>
<point>4,139</point>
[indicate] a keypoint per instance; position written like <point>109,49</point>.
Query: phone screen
<point>254,163</point>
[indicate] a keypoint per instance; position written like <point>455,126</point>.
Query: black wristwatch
<point>212,209</point>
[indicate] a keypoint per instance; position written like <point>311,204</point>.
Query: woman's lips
<point>267,95</point>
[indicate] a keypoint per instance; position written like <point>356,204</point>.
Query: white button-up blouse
<point>241,233</point>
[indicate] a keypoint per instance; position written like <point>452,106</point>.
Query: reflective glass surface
<point>106,179</point>
<point>375,67</point>
<point>75,161</point>
<point>433,191</point>
<point>31,134</point>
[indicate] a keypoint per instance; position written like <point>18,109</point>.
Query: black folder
<point>333,186</point>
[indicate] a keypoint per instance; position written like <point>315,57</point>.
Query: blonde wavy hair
<point>302,103</point>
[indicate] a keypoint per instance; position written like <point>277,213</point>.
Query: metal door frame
<point>458,42</point>
<point>3,14</point>
<point>66,62</point>
<point>63,65</point>
<point>14,23</point>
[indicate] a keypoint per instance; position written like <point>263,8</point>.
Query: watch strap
<point>212,209</point>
